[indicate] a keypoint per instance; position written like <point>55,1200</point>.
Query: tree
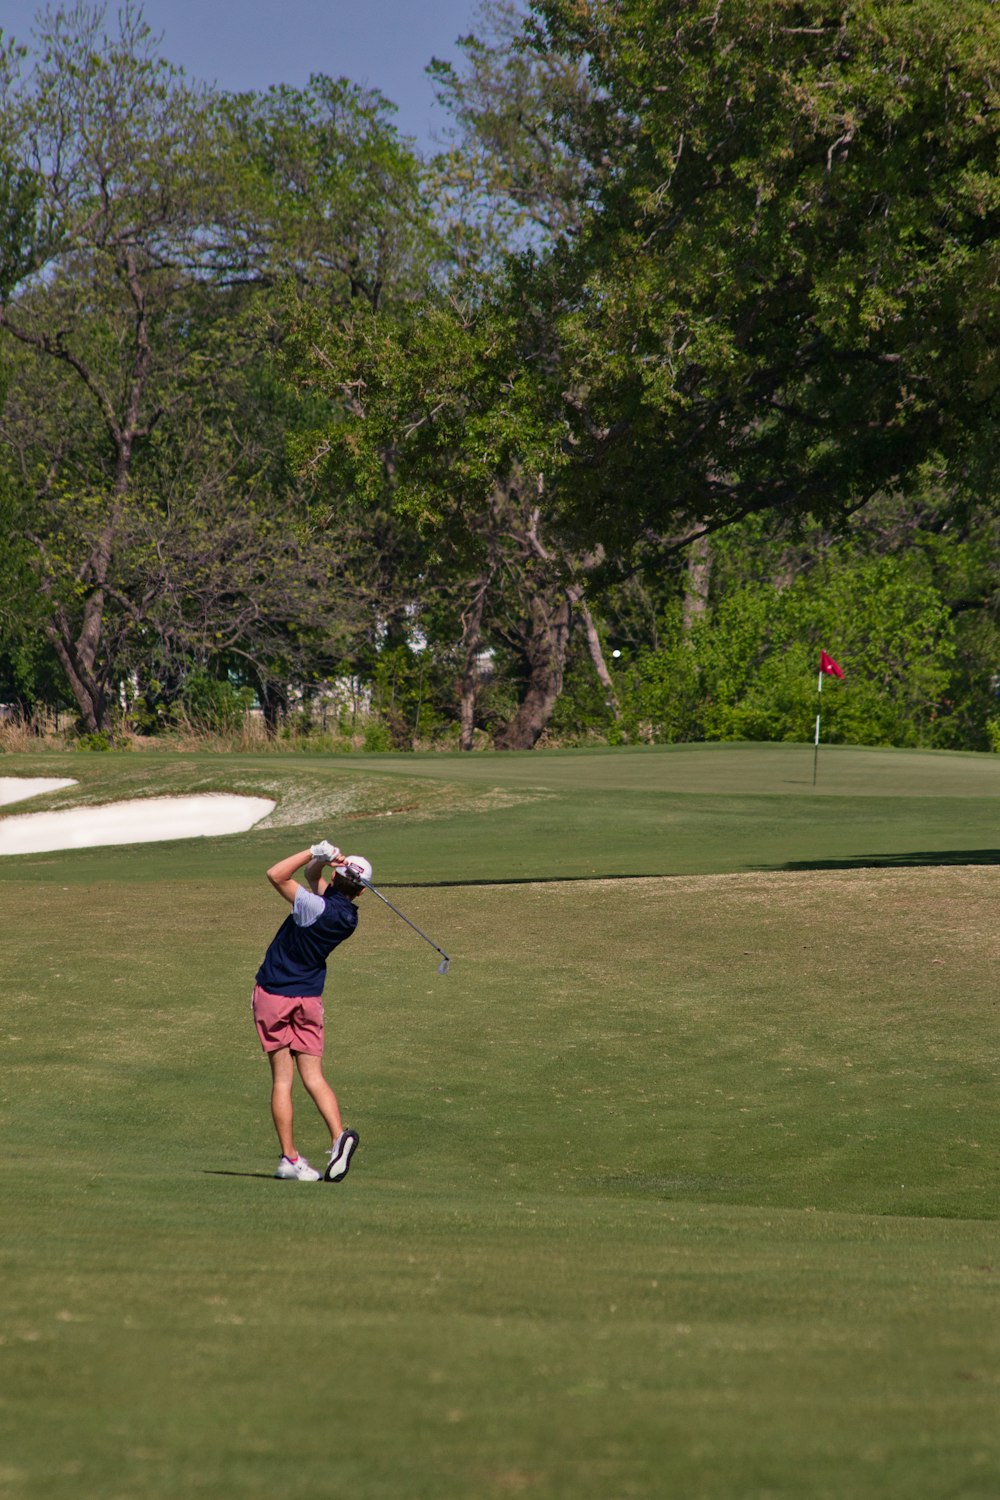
<point>119,151</point>
<point>143,219</point>
<point>323,191</point>
<point>768,296</point>
<point>224,570</point>
<point>955,548</point>
<point>26,671</point>
<point>507,176</point>
<point>781,296</point>
<point>775,298</point>
<point>452,410</point>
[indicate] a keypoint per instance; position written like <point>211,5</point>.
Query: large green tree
<point>323,191</point>
<point>452,413</point>
<point>774,291</point>
<point>142,218</point>
<point>106,294</point>
<point>784,295</point>
<point>747,669</point>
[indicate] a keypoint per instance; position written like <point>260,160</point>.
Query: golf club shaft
<point>368,885</point>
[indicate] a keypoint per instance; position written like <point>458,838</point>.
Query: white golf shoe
<point>296,1171</point>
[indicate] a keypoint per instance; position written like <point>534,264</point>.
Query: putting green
<point>718,769</point>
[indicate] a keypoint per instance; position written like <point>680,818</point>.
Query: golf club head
<point>443,965</point>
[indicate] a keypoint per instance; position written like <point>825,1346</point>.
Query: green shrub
<point>748,670</point>
<point>98,741</point>
<point>215,703</point>
<point>378,736</point>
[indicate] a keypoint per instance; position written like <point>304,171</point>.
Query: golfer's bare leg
<point>282,1078</point>
<point>320,1092</point>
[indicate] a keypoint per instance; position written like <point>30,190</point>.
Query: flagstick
<point>819,701</point>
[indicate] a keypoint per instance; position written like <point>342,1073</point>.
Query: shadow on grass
<point>221,1172</point>
<point>444,885</point>
<point>910,860</point>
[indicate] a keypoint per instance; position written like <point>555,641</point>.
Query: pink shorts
<point>294,1021</point>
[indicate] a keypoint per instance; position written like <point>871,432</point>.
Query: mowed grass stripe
<point>720,1351</point>
<point>808,1040</point>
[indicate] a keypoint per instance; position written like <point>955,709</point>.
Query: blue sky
<point>250,44</point>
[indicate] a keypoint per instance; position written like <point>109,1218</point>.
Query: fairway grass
<point>675,1186</point>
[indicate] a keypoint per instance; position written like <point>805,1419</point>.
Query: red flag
<point>829,666</point>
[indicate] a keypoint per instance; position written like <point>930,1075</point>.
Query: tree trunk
<point>79,650</point>
<point>597,657</point>
<point>545,652</point>
<point>79,653</point>
<point>274,705</point>
<point>91,702</point>
<point>471,642</point>
<point>699,574</point>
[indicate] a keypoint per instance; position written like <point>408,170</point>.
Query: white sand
<point>20,788</point>
<point>143,821</point>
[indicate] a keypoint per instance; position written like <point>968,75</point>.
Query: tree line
<point>675,363</point>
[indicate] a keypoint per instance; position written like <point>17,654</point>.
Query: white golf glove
<point>324,851</point>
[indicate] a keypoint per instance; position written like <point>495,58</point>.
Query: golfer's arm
<point>280,875</point>
<point>314,875</point>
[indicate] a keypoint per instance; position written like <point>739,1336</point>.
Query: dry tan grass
<point>18,735</point>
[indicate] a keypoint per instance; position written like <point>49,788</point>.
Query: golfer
<point>287,997</point>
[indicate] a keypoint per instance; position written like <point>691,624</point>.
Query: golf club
<point>356,875</point>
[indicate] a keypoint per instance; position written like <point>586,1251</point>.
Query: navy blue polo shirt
<point>295,963</point>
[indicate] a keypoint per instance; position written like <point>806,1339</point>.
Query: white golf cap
<point>358,864</point>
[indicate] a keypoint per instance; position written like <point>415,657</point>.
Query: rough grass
<point>674,1186</point>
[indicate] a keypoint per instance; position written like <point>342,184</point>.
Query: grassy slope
<point>678,810</point>
<point>671,1187</point>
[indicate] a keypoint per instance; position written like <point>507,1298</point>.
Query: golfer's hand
<point>324,851</point>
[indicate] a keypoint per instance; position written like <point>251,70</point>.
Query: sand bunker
<point>20,788</point>
<point>147,820</point>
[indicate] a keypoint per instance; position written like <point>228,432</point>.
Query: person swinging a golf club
<point>288,997</point>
